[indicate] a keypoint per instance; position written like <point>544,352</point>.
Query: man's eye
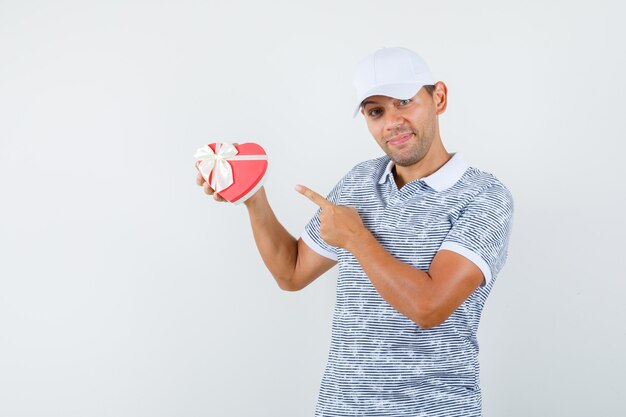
<point>404,102</point>
<point>374,112</point>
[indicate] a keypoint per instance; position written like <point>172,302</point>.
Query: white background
<point>125,291</point>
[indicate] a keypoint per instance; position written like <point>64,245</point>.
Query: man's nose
<point>393,119</point>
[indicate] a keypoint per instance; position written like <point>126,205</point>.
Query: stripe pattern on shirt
<point>380,363</point>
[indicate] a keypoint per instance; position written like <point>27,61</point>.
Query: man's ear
<point>440,95</point>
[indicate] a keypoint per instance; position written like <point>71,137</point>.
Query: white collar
<point>440,180</point>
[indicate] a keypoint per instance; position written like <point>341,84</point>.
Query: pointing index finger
<point>313,196</point>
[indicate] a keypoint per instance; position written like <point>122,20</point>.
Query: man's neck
<point>435,159</point>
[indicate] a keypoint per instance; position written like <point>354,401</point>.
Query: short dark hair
<point>429,89</point>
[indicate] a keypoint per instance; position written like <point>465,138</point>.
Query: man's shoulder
<point>479,182</point>
<point>480,177</point>
<point>371,168</point>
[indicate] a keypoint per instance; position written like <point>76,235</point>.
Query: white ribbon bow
<point>216,163</point>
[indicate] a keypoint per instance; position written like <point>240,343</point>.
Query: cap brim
<point>397,91</point>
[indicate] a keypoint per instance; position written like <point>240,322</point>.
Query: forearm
<point>278,249</point>
<point>407,289</point>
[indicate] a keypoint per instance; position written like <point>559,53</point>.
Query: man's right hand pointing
<point>339,225</point>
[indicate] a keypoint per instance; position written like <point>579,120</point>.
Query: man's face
<point>404,129</point>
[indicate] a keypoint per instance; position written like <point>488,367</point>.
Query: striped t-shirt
<point>380,362</point>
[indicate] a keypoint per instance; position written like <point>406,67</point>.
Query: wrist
<point>359,241</point>
<point>256,199</point>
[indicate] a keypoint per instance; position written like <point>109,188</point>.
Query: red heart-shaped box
<point>248,175</point>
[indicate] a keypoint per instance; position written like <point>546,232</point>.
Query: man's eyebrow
<point>365,103</point>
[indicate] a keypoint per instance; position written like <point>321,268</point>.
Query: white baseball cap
<point>391,72</point>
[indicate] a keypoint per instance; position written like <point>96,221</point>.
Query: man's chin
<point>406,162</point>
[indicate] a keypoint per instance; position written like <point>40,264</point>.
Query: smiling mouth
<point>400,139</point>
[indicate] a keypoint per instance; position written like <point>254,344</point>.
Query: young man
<point>420,238</point>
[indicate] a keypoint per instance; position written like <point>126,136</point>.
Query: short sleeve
<point>482,231</point>
<point>311,235</point>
